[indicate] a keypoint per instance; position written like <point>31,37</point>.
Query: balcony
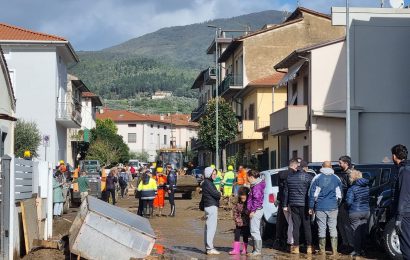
<point>69,114</point>
<point>246,132</point>
<point>197,113</point>
<point>210,76</point>
<point>262,125</point>
<point>230,85</point>
<point>289,120</point>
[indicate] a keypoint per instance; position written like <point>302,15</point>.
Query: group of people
<point>337,203</point>
<point>152,186</point>
<point>247,212</point>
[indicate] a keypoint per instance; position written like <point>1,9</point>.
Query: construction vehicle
<point>186,184</point>
<point>94,175</point>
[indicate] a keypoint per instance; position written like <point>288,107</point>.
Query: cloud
<point>96,24</point>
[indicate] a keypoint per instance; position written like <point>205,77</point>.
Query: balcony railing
<point>259,123</point>
<point>231,82</point>
<point>197,113</point>
<point>291,119</point>
<point>69,114</point>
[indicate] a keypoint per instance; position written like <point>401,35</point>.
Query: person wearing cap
<point>159,201</point>
<point>228,180</point>
<point>325,195</point>
<point>210,202</point>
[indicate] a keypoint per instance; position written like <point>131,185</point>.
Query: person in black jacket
<point>171,187</point>
<point>283,221</point>
<point>399,156</point>
<point>343,223</point>
<point>295,195</point>
<point>210,200</point>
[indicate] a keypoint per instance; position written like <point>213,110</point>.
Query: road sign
<point>46,140</point>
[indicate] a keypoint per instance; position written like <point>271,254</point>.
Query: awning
<point>291,75</point>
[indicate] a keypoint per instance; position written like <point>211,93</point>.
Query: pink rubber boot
<point>244,249</point>
<point>236,248</point>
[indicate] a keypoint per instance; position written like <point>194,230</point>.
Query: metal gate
<point>5,206</point>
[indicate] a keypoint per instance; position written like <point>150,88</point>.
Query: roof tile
<point>11,32</point>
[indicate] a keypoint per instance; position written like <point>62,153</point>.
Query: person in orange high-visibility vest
<point>159,201</point>
<point>242,179</point>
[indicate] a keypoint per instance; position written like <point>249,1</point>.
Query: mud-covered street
<point>180,237</point>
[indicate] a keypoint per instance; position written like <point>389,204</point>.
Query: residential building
<point>312,125</point>
<point>161,94</point>
<point>7,110</point>
<point>38,69</point>
<point>149,133</point>
<point>206,84</point>
<point>379,92</point>
<point>251,58</point>
<point>78,139</point>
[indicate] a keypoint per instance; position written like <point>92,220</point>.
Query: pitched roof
<point>11,32</point>
<point>128,116</point>
<point>270,80</point>
<point>295,17</point>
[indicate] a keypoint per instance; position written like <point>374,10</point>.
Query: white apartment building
<point>143,132</point>
<point>37,65</point>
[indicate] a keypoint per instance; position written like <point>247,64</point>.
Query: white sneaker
<point>213,252</point>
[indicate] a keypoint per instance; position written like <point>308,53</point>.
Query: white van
<point>271,192</point>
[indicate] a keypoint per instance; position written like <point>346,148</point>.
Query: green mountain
<point>168,59</point>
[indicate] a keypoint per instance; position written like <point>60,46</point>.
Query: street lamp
<point>348,133</point>
<point>217,29</point>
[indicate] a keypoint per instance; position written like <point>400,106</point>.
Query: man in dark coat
<point>399,156</point>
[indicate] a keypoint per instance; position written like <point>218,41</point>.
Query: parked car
<point>270,210</point>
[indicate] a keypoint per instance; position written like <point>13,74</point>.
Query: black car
<point>382,181</point>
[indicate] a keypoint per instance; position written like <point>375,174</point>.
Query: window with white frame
<point>132,138</point>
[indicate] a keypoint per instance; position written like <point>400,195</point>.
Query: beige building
<point>312,125</point>
<point>251,58</point>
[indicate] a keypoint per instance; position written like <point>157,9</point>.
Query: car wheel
<point>391,241</point>
<point>187,195</point>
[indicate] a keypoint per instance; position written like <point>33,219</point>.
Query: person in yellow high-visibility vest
<point>218,179</point>
<point>228,180</point>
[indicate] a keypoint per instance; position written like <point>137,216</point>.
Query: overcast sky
<point>96,24</point>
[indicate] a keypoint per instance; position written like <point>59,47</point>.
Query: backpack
<point>122,181</point>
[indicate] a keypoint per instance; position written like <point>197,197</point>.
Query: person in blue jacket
<point>357,200</point>
<point>325,194</point>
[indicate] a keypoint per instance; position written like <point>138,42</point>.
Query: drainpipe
<point>309,105</point>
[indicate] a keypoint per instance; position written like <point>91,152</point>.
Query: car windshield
<point>174,158</point>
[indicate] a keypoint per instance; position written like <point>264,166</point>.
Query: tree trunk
<point>224,159</point>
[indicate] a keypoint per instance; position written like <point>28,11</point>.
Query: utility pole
<point>348,129</point>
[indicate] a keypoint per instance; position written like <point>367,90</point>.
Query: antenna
<point>396,3</point>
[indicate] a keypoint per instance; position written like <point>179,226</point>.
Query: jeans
<point>405,238</point>
<point>288,218</point>
<point>112,192</point>
<point>211,214</point>
<point>300,217</point>
<point>327,218</point>
<point>343,225</point>
<point>244,231</point>
<point>256,225</point>
<point>58,208</point>
<point>123,190</point>
<point>358,222</point>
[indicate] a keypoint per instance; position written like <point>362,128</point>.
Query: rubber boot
<point>322,246</point>
<point>333,241</point>
<point>309,250</point>
<point>294,249</point>
<point>172,213</point>
<point>236,248</point>
<point>151,212</point>
<point>244,248</point>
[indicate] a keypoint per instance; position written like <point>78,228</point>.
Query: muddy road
<point>182,237</point>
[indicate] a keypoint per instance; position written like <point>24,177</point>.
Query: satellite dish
<point>396,3</point>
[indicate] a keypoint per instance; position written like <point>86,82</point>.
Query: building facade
<point>41,91</point>
<point>149,133</point>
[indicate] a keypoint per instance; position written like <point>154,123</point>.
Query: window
<point>2,143</point>
<point>152,138</point>
<point>165,127</point>
<point>152,126</point>
<point>165,139</point>
<point>132,138</point>
<point>246,115</point>
<point>158,126</point>
<point>372,174</point>
<point>385,176</point>
<point>273,159</point>
<point>294,154</point>
<point>305,91</point>
<point>132,125</point>
<point>252,112</point>
<point>306,153</point>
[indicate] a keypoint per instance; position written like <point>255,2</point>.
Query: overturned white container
<point>103,231</point>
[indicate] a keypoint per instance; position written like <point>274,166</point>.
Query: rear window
<point>274,179</point>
